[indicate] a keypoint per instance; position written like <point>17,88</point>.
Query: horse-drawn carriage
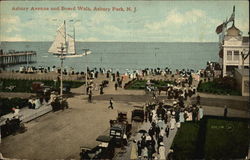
<point>105,150</point>
<point>120,129</point>
<point>12,126</point>
<point>59,103</point>
<point>138,114</point>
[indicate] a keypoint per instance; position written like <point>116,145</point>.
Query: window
<point>229,55</point>
<point>236,55</point>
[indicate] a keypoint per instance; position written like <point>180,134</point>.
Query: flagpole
<point>233,14</point>
<point>86,77</point>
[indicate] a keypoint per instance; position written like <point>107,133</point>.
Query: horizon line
<point>128,41</point>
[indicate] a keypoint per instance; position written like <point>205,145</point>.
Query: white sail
<point>68,42</point>
<point>59,41</point>
<point>71,45</point>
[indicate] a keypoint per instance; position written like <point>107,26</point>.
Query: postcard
<point>124,79</point>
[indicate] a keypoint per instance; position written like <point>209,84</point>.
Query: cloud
<point>90,39</point>
<point>10,19</point>
<point>243,26</point>
<point>98,18</point>
<point>175,18</point>
<point>9,22</point>
<point>15,38</point>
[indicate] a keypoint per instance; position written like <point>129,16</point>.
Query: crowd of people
<point>163,118</point>
<point>93,72</point>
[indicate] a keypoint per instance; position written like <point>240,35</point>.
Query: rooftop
<point>233,31</point>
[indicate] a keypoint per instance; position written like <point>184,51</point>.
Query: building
<point>234,51</point>
<point>242,80</point>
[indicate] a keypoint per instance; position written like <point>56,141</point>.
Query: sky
<point>137,21</point>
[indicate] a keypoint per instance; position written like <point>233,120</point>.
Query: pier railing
<point>17,57</point>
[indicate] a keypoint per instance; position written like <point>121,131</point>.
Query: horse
<point>163,88</point>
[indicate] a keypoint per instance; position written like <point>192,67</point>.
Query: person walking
<point>157,132</point>
<point>167,130</point>
<point>116,85</point>
<point>101,89</point>
<point>111,103</point>
<point>225,111</point>
<point>200,113</point>
<point>90,97</point>
<point>150,118</point>
<point>198,100</point>
<point>162,151</point>
<point>139,148</point>
<point>151,132</point>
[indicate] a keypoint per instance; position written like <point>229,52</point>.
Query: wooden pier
<point>17,57</point>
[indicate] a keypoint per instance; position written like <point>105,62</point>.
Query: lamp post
<point>27,59</point>
<point>61,76</point>
<point>156,57</point>
<point>86,66</point>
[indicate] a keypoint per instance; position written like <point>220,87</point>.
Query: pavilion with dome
<point>234,54</point>
<point>234,50</point>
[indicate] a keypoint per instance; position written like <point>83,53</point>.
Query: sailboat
<point>64,44</point>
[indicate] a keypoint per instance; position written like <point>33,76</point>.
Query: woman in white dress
<point>190,116</point>
<point>172,123</point>
<point>162,151</point>
<point>200,113</point>
<point>182,117</point>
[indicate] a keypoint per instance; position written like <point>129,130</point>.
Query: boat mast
<point>65,36</point>
<point>62,58</point>
<point>74,40</point>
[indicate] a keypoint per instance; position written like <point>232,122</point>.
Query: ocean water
<point>124,56</point>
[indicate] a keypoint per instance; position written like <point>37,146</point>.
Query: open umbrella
<point>142,131</point>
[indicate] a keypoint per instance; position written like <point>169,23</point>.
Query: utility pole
<point>61,77</point>
<point>27,59</point>
<point>86,77</point>
<point>156,64</point>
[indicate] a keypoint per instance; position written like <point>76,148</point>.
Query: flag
<point>221,53</point>
<point>231,19</point>
<point>219,29</point>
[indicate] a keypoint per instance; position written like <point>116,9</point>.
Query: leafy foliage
<point>25,85</point>
<point>141,84</point>
<point>6,104</point>
<point>223,86</point>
